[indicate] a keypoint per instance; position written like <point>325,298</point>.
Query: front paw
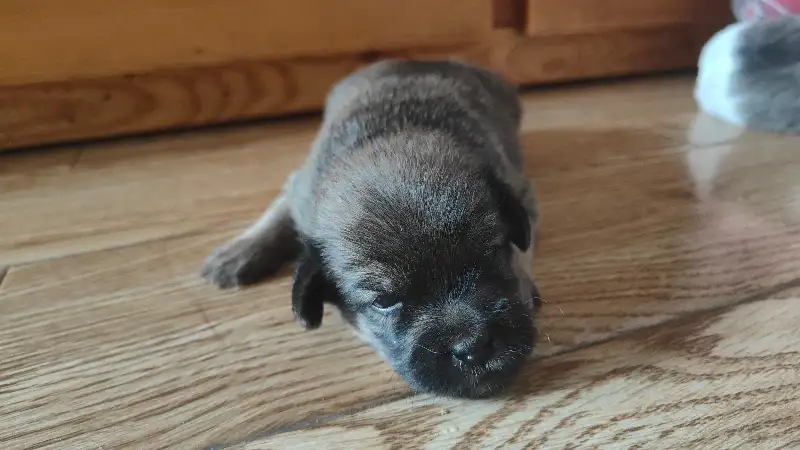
<point>235,264</point>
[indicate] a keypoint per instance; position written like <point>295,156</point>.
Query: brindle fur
<point>413,190</point>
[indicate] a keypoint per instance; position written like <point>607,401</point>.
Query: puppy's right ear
<point>512,212</point>
<point>310,289</point>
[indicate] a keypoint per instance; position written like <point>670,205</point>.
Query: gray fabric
<point>767,82</point>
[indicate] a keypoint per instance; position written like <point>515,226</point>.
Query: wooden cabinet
<point>560,17</point>
<point>98,68</point>
<point>53,40</point>
<point>560,40</point>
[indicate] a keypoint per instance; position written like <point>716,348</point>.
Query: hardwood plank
<point>729,380</point>
<point>647,216</point>
<point>127,349</point>
<point>80,109</point>
<point>559,17</point>
<point>138,190</point>
<point>655,232</point>
<point>50,40</point>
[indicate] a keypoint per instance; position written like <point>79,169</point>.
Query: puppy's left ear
<point>311,289</point>
<point>512,211</point>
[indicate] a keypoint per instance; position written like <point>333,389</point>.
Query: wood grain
<point>654,227</point>
<point>718,380</point>
<point>162,187</point>
<point>546,59</point>
<point>52,40</point>
<point>509,14</point>
<point>650,214</point>
<point>127,349</point>
<point>112,106</point>
<point>560,17</point>
<point>80,109</point>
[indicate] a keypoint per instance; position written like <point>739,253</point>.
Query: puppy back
<point>473,106</point>
<point>479,90</point>
<point>407,127</point>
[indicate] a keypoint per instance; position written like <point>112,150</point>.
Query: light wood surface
<point>558,17</point>
<point>529,61</point>
<point>53,40</point>
<point>723,380</point>
<point>57,112</point>
<point>119,105</point>
<point>667,258</point>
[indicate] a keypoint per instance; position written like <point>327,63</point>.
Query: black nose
<point>473,349</point>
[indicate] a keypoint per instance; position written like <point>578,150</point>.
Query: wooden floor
<point>669,258</point>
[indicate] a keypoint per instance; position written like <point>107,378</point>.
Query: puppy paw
<point>238,263</point>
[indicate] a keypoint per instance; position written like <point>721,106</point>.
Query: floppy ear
<point>310,289</point>
<point>512,212</point>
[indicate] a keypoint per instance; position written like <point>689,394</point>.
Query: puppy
<point>412,217</point>
<point>749,75</point>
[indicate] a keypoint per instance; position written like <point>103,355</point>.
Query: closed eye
<point>494,251</point>
<point>386,303</point>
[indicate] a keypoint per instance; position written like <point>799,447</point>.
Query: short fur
<point>749,75</point>
<point>414,219</point>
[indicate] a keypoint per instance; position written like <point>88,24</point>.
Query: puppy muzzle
<point>469,352</point>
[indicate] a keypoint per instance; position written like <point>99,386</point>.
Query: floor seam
<point>182,235</point>
<point>761,295</point>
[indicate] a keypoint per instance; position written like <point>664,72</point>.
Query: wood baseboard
<point>100,107</point>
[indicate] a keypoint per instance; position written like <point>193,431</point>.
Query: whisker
<point>426,348</point>
<point>544,333</point>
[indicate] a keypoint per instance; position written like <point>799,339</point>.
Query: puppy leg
<point>523,268</point>
<point>523,260</point>
<point>259,251</point>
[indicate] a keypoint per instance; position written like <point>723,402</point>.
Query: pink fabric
<point>765,9</point>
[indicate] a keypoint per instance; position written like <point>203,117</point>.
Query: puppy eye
<point>386,303</point>
<point>494,252</point>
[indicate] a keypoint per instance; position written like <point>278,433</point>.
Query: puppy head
<point>434,276</point>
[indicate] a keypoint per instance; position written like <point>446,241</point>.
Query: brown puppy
<point>412,216</point>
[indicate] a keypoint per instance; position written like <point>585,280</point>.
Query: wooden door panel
<point>554,17</point>
<point>56,40</point>
<point>82,69</point>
